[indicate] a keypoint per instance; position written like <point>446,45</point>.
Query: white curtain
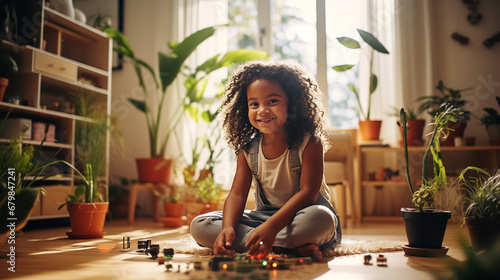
<point>414,58</point>
<point>404,27</point>
<point>189,17</point>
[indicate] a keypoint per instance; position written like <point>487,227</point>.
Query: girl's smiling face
<point>267,106</point>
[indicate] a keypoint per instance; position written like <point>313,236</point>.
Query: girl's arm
<point>234,206</point>
<point>310,184</point>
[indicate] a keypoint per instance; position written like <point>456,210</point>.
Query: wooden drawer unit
<point>55,66</point>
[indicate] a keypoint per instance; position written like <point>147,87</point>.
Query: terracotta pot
<point>194,209</point>
<point>493,132</point>
<point>154,170</point>
<point>458,131</point>
<point>174,209</point>
<point>87,219</point>
<point>4,82</point>
<point>369,130</point>
<point>425,229</point>
<point>483,232</point>
<point>414,132</point>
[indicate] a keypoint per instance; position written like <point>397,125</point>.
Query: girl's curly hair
<point>305,112</point>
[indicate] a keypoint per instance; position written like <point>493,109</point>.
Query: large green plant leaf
<point>373,83</point>
<point>349,42</point>
<point>140,105</point>
<point>372,41</point>
<point>170,64</point>
<point>342,68</point>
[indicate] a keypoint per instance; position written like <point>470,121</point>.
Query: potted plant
<point>491,119</point>
<point>169,66</point>
<point>89,204</point>
<point>8,67</point>
<point>19,171</point>
<point>433,105</point>
<point>365,123</point>
<point>415,127</point>
<point>480,197</point>
<point>175,210</point>
<point>207,195</point>
<point>425,227</point>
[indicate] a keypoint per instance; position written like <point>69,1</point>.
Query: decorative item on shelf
<point>433,105</point>
<point>369,129</point>
<point>65,7</point>
<point>491,119</point>
<point>425,227</point>
<point>480,197</point>
<point>80,16</point>
<point>172,64</point>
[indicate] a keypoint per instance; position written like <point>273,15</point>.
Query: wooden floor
<point>49,254</point>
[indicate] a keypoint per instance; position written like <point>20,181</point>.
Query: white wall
<point>462,66</point>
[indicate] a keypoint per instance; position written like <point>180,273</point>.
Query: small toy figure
<point>381,260</point>
<point>367,259</point>
<point>168,252</point>
<point>143,245</point>
<point>168,263</point>
<point>153,250</point>
<point>126,242</point>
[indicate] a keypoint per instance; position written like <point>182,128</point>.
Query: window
<point>288,29</point>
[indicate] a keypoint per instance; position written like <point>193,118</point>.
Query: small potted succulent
<point>425,227</point>
<point>491,119</point>
<point>415,129</point>
<point>480,197</point>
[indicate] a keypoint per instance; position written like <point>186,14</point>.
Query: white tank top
<point>277,179</point>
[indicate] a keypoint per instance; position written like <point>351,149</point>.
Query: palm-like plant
<point>170,66</point>
<point>375,45</point>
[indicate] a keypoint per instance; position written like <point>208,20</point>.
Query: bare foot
<point>310,250</point>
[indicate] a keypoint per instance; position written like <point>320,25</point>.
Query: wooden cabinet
<point>60,60</point>
<point>380,200</point>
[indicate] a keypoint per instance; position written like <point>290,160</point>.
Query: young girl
<point>272,118</point>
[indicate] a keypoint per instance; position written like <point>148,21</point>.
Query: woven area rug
<point>187,245</point>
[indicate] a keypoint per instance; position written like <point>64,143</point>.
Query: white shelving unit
<point>58,57</point>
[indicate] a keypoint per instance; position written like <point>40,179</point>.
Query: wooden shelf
<point>62,59</point>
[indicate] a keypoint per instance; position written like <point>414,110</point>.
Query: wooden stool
<point>134,188</point>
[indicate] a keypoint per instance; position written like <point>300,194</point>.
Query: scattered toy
<point>367,259</point>
<point>381,260</point>
<point>126,242</point>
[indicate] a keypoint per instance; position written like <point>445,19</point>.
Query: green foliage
<point>375,45</point>
<point>424,196</point>
<point>171,64</point>
<point>206,190</point>
<point>480,193</point>
<point>453,97</point>
<point>477,265</point>
<point>491,117</point>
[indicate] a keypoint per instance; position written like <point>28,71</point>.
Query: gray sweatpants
<point>314,224</point>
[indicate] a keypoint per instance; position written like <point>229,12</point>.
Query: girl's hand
<point>260,241</point>
<point>223,241</point>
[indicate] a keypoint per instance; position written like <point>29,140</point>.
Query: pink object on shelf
<point>39,132</point>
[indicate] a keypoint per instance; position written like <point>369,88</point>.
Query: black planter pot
<point>425,229</point>
<point>483,232</point>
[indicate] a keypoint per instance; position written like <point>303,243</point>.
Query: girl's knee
<point>317,215</point>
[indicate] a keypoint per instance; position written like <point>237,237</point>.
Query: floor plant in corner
<point>425,227</point>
